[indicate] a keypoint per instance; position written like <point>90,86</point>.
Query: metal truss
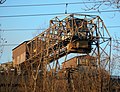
<point>71,33</point>
<point>74,33</point>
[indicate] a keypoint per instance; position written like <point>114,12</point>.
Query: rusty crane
<point>76,33</point>
<point>72,33</point>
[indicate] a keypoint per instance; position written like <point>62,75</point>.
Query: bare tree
<point>2,42</point>
<point>116,54</point>
<point>98,4</point>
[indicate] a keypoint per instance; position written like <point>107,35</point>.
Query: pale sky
<point>42,22</point>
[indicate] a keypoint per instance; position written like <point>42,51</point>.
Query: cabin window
<point>78,61</point>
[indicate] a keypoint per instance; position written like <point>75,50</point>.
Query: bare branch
<point>98,4</point>
<point>2,1</point>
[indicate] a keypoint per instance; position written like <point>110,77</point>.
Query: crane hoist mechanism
<point>71,33</point>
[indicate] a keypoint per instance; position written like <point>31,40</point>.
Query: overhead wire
<point>18,44</point>
<point>9,44</point>
<point>25,29</point>
<point>33,15</point>
<point>49,14</point>
<point>31,5</point>
<point>32,29</point>
<point>52,4</point>
<point>113,26</point>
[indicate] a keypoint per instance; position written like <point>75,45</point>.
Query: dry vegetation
<point>81,79</point>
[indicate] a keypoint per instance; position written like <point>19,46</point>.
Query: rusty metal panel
<point>72,63</point>
<point>79,47</point>
<point>19,54</point>
<point>85,60</point>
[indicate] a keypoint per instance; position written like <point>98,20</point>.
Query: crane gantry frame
<point>72,33</point>
<point>76,33</point>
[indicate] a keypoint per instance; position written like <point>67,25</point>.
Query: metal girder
<point>67,34</point>
<point>73,33</point>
